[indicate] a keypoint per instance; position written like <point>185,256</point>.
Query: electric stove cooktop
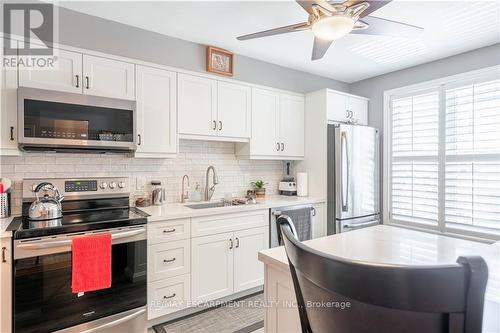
<point>81,221</point>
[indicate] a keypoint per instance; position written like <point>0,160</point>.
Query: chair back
<point>338,295</point>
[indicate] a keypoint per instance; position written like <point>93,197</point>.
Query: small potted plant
<point>260,190</point>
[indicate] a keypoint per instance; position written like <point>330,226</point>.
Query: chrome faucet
<point>209,192</point>
<point>184,194</point>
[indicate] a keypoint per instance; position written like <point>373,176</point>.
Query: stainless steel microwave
<point>60,121</point>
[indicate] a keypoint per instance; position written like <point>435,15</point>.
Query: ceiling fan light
<point>332,27</point>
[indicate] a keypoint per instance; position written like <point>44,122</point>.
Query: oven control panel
<point>80,186</point>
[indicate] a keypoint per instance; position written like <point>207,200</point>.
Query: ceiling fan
<point>331,20</point>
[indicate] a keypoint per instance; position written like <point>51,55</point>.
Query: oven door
<point>43,301</point>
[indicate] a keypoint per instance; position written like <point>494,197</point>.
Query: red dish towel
<point>91,263</point>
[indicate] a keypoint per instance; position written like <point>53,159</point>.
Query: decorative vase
<point>260,193</point>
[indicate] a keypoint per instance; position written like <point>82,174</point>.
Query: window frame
<point>440,85</point>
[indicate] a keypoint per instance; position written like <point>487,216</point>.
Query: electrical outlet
<point>140,183</point>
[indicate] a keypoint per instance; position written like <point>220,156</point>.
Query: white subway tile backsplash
<point>193,159</point>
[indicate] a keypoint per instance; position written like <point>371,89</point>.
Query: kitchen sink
<point>218,204</point>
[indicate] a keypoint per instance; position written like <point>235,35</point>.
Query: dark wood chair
<point>338,295</point>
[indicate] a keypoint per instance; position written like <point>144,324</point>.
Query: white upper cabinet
<point>347,108</point>
<point>108,77</point>
<point>81,73</point>
<point>291,125</point>
<point>358,108</point>
<point>8,109</point>
<point>197,103</point>
<point>277,126</point>
<point>233,110</point>
<point>265,123</point>
<point>66,76</point>
<point>156,112</point>
<point>211,109</point>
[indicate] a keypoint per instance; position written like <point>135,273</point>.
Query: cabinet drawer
<point>215,224</point>
<point>159,232</point>
<point>169,259</point>
<point>169,295</point>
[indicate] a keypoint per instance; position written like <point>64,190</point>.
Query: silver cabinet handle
<point>277,146</point>
<point>313,210</point>
<point>171,296</point>
<point>237,242</point>
<point>139,142</point>
<point>215,125</point>
<point>282,146</point>
<point>344,155</point>
<point>87,80</point>
<point>4,256</point>
<point>220,125</point>
<point>168,260</point>
<point>77,80</point>
<point>115,322</point>
<point>231,244</point>
<point>168,231</point>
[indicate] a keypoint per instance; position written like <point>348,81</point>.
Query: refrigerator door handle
<point>345,171</point>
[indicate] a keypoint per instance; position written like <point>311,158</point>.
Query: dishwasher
<point>301,216</point>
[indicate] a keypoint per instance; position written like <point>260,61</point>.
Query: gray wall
<point>374,88</point>
<point>90,32</point>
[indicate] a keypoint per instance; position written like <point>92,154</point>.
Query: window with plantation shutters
<point>415,135</point>
<point>472,168</point>
<point>444,155</point>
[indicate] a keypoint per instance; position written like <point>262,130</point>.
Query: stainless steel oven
<point>51,120</point>
<point>43,301</point>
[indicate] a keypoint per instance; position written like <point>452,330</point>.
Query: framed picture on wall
<point>220,61</point>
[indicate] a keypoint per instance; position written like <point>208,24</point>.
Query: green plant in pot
<point>260,190</point>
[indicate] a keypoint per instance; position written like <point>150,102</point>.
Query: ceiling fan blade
<point>320,47</point>
<point>379,26</point>
<point>374,5</point>
<point>276,31</point>
<point>308,5</point>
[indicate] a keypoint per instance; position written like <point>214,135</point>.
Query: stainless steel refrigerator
<point>353,177</point>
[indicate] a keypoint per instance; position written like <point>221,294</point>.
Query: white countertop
<point>178,210</point>
<point>393,245</point>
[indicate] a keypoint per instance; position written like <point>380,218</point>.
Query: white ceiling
<point>451,27</point>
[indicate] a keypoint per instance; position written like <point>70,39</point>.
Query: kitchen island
<point>378,244</point>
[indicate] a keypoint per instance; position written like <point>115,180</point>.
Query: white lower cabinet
<point>226,263</point>
<point>168,295</point>
<point>6,285</point>
<point>248,271</point>
<point>319,220</point>
<point>172,230</point>
<point>212,267</point>
<point>168,259</point>
<point>169,266</point>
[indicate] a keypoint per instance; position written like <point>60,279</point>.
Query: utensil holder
<point>4,205</point>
